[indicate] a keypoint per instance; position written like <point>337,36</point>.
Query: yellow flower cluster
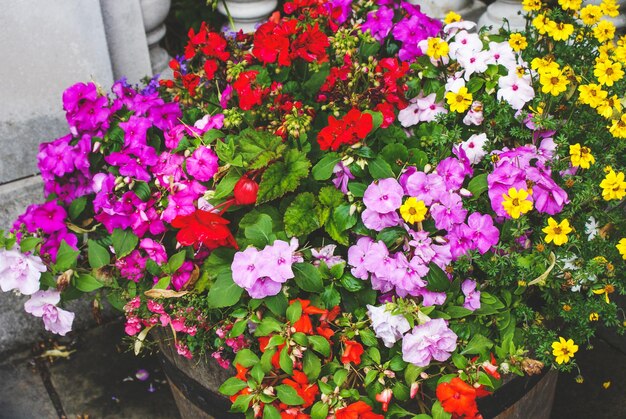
<point>437,48</point>
<point>581,156</point>
<point>613,186</point>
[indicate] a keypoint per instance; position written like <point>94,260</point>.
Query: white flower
<point>464,41</point>
<point>475,114</point>
<point>454,27</point>
<point>474,147</point>
<point>43,304</point>
<point>502,53</point>
<point>592,228</point>
<point>515,90</point>
<point>387,326</point>
<point>472,61</point>
<point>20,272</point>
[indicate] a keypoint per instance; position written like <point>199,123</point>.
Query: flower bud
<point>414,388</point>
<point>246,191</point>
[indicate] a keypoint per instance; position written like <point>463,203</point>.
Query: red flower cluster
<point>459,398</point>
<point>358,410</point>
<point>392,88</point>
<point>212,44</point>
<point>249,92</point>
<point>203,227</point>
<point>286,41</point>
<point>352,352</point>
<point>352,128</point>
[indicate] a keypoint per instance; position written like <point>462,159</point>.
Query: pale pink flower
<point>43,304</point>
<point>517,91</point>
<point>20,272</point>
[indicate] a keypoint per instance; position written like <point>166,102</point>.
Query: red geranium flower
<point>249,95</point>
<point>311,45</point>
<point>459,398</point>
<point>300,383</point>
<point>352,352</point>
<point>358,410</point>
<point>354,127</point>
<point>203,227</point>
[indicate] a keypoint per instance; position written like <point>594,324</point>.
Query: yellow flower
<point>557,232</point>
<point>452,17</point>
<point>581,156</point>
<point>553,82</point>
<point>570,4</point>
<point>621,248</point>
<point>609,106</point>
<point>563,350</point>
<point>437,48</point>
<point>606,290</point>
<point>604,31</point>
<point>579,379</point>
<point>610,8</point>
<point>591,14</point>
<point>516,202</point>
<point>613,186</point>
<point>594,317</point>
<point>544,65</point>
<point>532,5</point>
<point>618,127</point>
<point>459,101</point>
<point>606,385</point>
<point>560,31</point>
<point>592,94</point>
<point>413,211</point>
<point>517,41</point>
<point>608,72</point>
<point>567,307</point>
<point>541,22</point>
<point>619,54</point>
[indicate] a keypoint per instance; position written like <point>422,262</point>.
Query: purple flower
<point>208,122</point>
<point>20,272</point>
<point>408,276</point>
<point>481,231</point>
<point>448,211</point>
<point>51,244</point>
<point>169,168</point>
<point>472,296</point>
<point>424,187</point>
<point>165,116</point>
<point>326,255</point>
<point>431,298</point>
<point>182,275</point>
<point>504,177</point>
<point>377,221</point>
<point>56,158</point>
<point>77,94</point>
<point>133,161</point>
<point>388,327</point>
<point>276,261</point>
<point>132,266</point>
<point>43,304</point>
<point>379,22</point>
<point>135,130</point>
<point>202,164</point>
<point>340,10</point>
<point>227,93</point>
<point>342,176</point>
<point>428,341</point>
<point>460,243</point>
<point>383,196</point>
<point>49,217</point>
<point>453,173</point>
<point>356,257</point>
<point>154,249</point>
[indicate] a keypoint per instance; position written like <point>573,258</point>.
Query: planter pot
<point>194,384</point>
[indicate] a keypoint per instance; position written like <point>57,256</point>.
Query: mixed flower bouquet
<point>366,211</point>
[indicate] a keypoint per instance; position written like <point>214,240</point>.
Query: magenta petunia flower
<point>480,229</point>
<point>154,250</point>
<point>49,217</point>
<point>182,275</point>
<point>428,341</point>
<point>379,22</point>
<point>202,164</point>
<point>135,130</point>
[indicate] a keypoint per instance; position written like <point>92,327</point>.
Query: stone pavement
<point>99,380</point>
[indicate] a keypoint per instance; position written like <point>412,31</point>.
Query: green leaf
<point>87,283</point>
<point>459,361</point>
<point>268,326</point>
<point>28,243</point>
<point>320,344</point>
<point>418,158</point>
<point>77,207</point>
<point>478,345</point>
<point>66,257</point>
<point>283,177</point>
<point>368,337</point>
<point>288,395</point>
<point>98,255</point>
<point>311,365</point>
<point>232,386</point>
<point>277,304</point>
<point>377,119</point>
<point>323,170</point>
<point>350,283</point>
<point>124,241</point>
<point>242,403</point>
<point>163,283</point>
<point>478,185</point>
<point>259,233</point>
<point>294,312</point>
<point>285,362</point>
<point>313,83</point>
<point>259,148</point>
<point>331,297</point>
<point>227,184</point>
<point>307,277</point>
<point>342,217</point>
<point>437,279</point>
<point>379,168</point>
<point>238,329</point>
<point>246,358</point>
<point>396,155</point>
<point>224,292</point>
<point>298,220</point>
<point>340,376</point>
<point>319,410</point>
<point>176,261</point>
<point>475,84</point>
<point>439,413</point>
<point>457,312</point>
<point>270,412</point>
<point>142,190</point>
<point>357,188</point>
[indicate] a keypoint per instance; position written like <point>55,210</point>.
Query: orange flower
<point>358,410</point>
<point>459,398</point>
<point>304,325</point>
<point>352,352</point>
<point>300,383</point>
<point>241,372</point>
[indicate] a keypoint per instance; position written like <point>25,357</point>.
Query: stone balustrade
<point>246,15</point>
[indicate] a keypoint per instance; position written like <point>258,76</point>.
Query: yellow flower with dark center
<point>619,54</point>
<point>606,290</point>
<point>608,72</point>
<point>594,317</point>
<point>413,210</point>
<point>609,106</point>
<point>592,94</point>
<point>610,8</point>
<point>618,127</point>
<point>517,41</point>
<point>452,17</point>
<point>581,156</point>
<point>560,31</point>
<point>604,31</point>
<point>532,5</point>
<point>516,202</point>
<point>557,232</point>
<point>591,14</point>
<point>437,48</point>
<point>621,248</point>
<point>459,101</point>
<point>541,22</point>
<point>553,82</point>
<point>613,186</point>
<point>544,65</point>
<point>563,350</point>
<point>570,4</point>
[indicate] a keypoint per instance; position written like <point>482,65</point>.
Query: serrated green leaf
<point>297,219</point>
<point>340,376</point>
<point>478,345</point>
<point>259,148</point>
<point>330,297</point>
<point>283,176</point>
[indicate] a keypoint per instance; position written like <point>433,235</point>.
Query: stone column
<point>154,13</point>
<point>468,9</point>
<point>501,9</point>
<point>126,39</point>
<point>246,14</point>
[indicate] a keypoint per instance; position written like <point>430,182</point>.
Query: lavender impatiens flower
<point>383,196</point>
<point>43,304</point>
<point>20,272</point>
<point>428,341</point>
<point>326,254</point>
<point>472,296</point>
<point>388,327</point>
<point>342,176</point>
